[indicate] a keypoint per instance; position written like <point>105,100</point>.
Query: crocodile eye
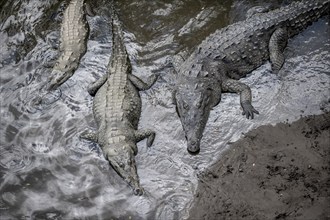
<point>207,100</point>
<point>199,103</point>
<point>185,106</point>
<point>177,110</point>
<point>121,164</point>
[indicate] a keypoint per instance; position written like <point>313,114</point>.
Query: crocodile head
<point>58,78</point>
<point>62,71</point>
<point>122,158</point>
<point>194,99</point>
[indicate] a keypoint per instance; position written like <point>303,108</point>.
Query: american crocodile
<point>74,33</point>
<point>231,53</point>
<point>117,109</point>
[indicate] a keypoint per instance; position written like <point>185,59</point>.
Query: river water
<point>46,172</point>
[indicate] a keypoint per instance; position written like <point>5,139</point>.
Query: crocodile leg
<point>89,135</point>
<point>92,89</point>
<point>139,84</point>
<point>146,133</point>
<point>231,85</point>
<point>277,45</point>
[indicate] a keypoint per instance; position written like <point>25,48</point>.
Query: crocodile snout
<point>193,146</point>
<point>138,191</point>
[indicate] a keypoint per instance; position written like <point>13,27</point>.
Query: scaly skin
<point>231,53</point>
<point>74,32</point>
<point>117,109</point>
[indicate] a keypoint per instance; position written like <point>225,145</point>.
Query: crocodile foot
<point>248,109</point>
<point>141,85</point>
<point>147,133</point>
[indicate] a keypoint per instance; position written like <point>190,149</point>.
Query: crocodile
<point>117,109</point>
<point>230,53</point>
<point>74,33</point>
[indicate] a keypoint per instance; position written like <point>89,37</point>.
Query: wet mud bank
<point>273,172</point>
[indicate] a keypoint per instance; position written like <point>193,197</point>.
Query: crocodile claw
<point>151,139</point>
<point>248,109</point>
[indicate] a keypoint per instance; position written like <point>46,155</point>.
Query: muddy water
<point>46,172</point>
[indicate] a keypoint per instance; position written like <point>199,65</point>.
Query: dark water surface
<point>46,172</point>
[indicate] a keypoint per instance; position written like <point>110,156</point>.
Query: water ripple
<point>14,159</point>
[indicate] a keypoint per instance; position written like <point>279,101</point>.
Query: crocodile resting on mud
<point>74,33</point>
<point>117,109</point>
<point>231,53</point>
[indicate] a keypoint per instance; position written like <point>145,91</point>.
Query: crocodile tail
<point>117,32</point>
<point>320,7</point>
<point>118,46</point>
<point>306,13</point>
<point>326,8</point>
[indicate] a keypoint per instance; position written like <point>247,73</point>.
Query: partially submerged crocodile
<point>74,33</point>
<point>117,109</point>
<point>231,53</point>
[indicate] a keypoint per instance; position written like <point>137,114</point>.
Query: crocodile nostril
<point>193,147</point>
<point>138,191</point>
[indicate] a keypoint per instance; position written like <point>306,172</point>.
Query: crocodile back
<point>117,109</point>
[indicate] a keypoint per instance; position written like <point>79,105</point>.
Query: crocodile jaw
<point>58,78</point>
<point>122,158</point>
<point>194,101</point>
